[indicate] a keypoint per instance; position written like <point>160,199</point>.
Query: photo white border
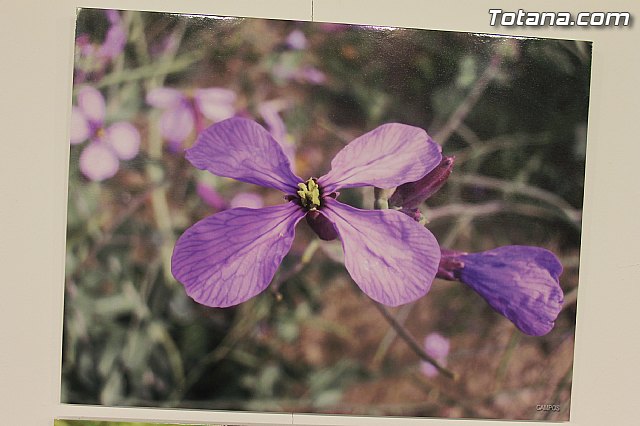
<point>37,47</point>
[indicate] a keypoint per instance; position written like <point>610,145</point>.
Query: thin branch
<point>508,187</point>
<point>401,317</point>
<point>472,98</point>
<point>411,341</point>
<point>304,260</point>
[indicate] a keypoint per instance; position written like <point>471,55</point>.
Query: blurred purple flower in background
<point>183,111</point>
<point>520,282</point>
<point>108,145</point>
<point>231,256</point>
<point>296,40</point>
<point>312,75</point>
<point>246,199</point>
<point>290,65</point>
<point>212,198</point>
<point>436,346</point>
<point>93,58</point>
<point>284,72</point>
<point>270,112</point>
<point>116,38</point>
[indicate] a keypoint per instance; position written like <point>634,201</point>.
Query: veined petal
<point>177,123</point>
<point>385,157</point>
<point>216,103</point>
<point>392,258</point>
<point>164,97</point>
<point>233,255</point>
<point>242,149</point>
<point>520,282</point>
<point>92,105</point>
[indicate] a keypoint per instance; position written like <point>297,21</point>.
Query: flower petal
<point>124,139</point>
<point>227,258</point>
<point>164,97</point>
<point>98,162</point>
<point>392,258</point>
<point>520,282</point>
<point>216,103</point>
<point>247,199</point>
<point>242,149</point>
<point>385,157</point>
<point>80,129</point>
<point>92,105</point>
<point>296,40</point>
<point>177,123</point>
<point>114,42</point>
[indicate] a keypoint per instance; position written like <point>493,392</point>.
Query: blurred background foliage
<point>512,110</point>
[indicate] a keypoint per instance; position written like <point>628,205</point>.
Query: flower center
<point>309,194</point>
<point>100,133</point>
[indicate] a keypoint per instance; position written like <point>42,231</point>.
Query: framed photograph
<point>304,217</point>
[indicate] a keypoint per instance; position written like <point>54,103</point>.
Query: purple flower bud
<point>520,282</point>
<point>411,195</point>
<point>296,40</point>
<point>313,75</point>
<point>436,346</point>
<point>321,226</point>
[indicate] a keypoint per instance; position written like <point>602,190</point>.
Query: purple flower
<point>116,38</point>
<point>296,40</point>
<point>520,282</point>
<point>211,197</point>
<point>436,346</point>
<point>92,58</point>
<point>183,112</point>
<point>233,255</point>
<point>247,199</point>
<point>108,145</point>
<point>270,112</point>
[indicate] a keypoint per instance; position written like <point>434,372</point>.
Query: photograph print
<point>311,217</point>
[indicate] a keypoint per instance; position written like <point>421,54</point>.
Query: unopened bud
<point>321,225</point>
<point>411,195</point>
